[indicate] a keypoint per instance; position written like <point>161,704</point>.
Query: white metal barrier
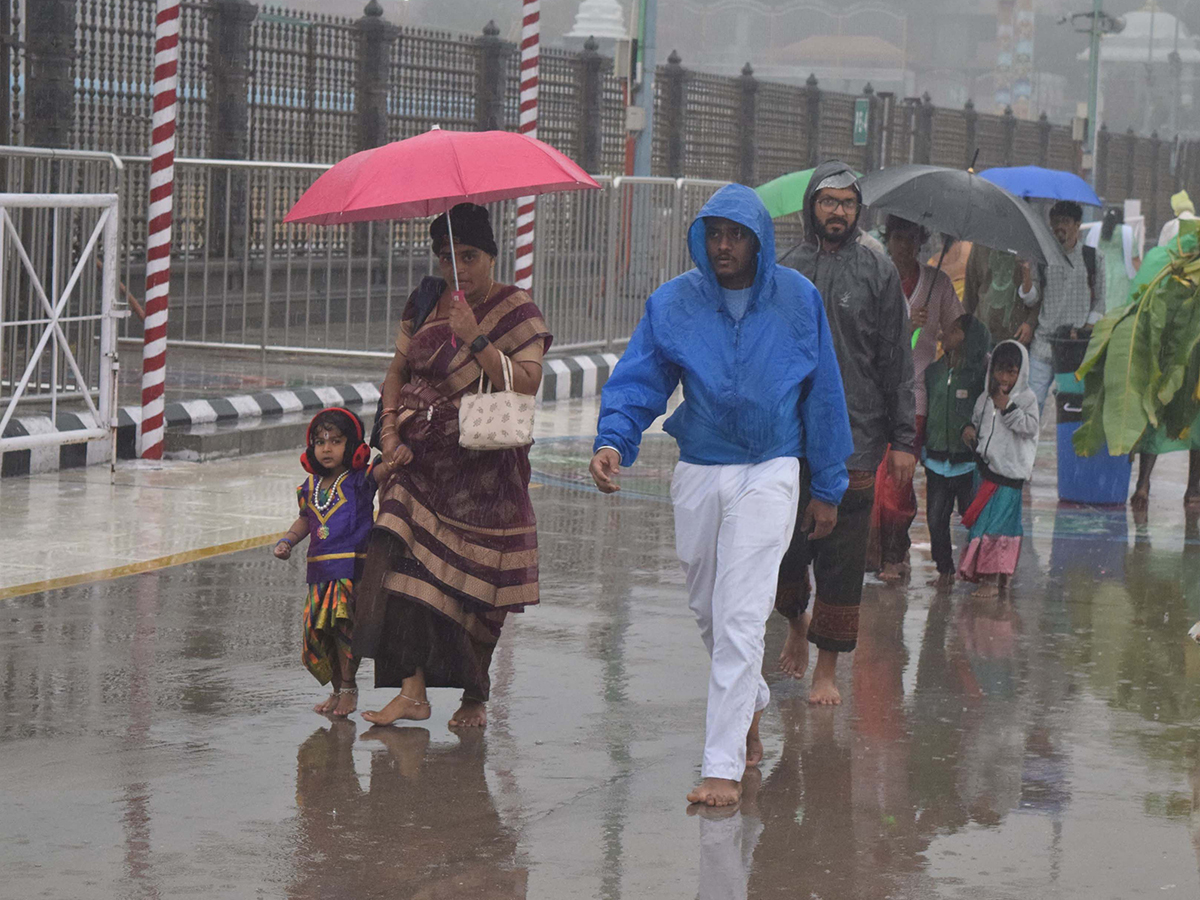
<point>58,312</point>
<point>243,280</point>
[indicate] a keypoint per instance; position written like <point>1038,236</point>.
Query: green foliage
<point>1142,367</point>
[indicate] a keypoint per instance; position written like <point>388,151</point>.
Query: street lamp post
<point>644,151</point>
<point>1089,145</point>
<point>1099,24</point>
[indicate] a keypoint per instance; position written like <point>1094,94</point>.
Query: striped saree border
<point>418,591</point>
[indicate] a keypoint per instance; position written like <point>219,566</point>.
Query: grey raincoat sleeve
<point>895,366</point>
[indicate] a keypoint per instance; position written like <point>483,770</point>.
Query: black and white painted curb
<point>566,378</point>
<point>52,457</point>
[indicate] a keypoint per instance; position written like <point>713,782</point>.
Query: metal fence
<point>241,278</point>
<point>297,86</point>
<point>58,314</point>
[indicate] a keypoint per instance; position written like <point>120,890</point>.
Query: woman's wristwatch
<point>478,344</point>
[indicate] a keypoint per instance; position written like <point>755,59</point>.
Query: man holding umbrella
<point>763,422</point>
<point>868,318</point>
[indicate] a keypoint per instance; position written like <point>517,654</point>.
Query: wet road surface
<point>156,738</point>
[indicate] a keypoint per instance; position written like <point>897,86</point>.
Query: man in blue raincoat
<point>763,407</point>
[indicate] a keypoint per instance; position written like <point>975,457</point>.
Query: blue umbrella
<point>1036,183</point>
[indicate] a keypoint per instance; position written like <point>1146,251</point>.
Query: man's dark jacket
<point>868,317</point>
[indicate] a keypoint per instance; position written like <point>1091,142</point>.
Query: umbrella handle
<point>457,295</point>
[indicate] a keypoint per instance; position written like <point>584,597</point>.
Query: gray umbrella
<point>959,203</point>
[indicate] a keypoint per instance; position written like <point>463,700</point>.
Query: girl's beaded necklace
<point>324,502</point>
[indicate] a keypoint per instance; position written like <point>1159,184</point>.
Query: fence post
<point>870,152</point>
<point>49,54</point>
<point>747,111</point>
<point>375,39</point>
<point>1043,140</point>
<point>674,77</point>
<point>972,119</point>
<point>229,120</point>
<point>591,134</point>
<point>924,140</point>
<point>813,97</point>
<point>1101,160</point>
<point>1010,135</point>
<point>490,80</point>
<point>1131,142</point>
<point>1151,214</point>
<point>229,108</point>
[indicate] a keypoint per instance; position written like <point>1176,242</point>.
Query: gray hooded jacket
<point>1007,439</point>
<point>869,321</point>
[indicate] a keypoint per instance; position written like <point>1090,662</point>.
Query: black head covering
<point>471,227</point>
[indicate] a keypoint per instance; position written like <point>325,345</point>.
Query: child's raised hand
<point>283,550</point>
<point>401,456</point>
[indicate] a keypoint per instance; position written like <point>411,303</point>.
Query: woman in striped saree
<point>454,548</point>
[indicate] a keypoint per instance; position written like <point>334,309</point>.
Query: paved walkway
<point>157,738</point>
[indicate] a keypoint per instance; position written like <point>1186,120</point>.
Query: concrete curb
<point>564,378</point>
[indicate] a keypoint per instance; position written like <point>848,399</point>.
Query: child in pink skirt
<point>1004,433</point>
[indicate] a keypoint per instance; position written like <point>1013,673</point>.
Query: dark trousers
<point>941,494</point>
<point>838,562</point>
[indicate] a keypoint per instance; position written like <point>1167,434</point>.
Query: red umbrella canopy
<point>427,174</point>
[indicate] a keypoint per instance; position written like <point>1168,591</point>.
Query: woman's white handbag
<point>496,420</point>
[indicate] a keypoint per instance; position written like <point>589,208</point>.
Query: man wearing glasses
<point>868,318</point>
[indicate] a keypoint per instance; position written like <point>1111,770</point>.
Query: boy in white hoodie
<point>1004,434</point>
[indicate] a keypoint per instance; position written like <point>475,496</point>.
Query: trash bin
<point>1099,479</point>
<point>1068,353</point>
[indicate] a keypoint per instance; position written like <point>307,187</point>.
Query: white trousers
<point>732,527</point>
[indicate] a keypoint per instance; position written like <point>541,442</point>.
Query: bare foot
<point>986,591</point>
<point>347,703</point>
<point>328,705</point>
<point>824,690</point>
<point>754,745</point>
<point>794,658</point>
<point>943,582</point>
<point>472,714</point>
<point>716,792</point>
<point>892,573</point>
<point>1141,498</point>
<point>400,707</point>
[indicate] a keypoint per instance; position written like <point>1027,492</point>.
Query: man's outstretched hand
<point>606,464</point>
<point>901,466</point>
<point>819,519</point>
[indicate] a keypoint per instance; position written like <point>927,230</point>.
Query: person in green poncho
<point>1155,441</point>
<point>990,294</point>
<point>1116,242</point>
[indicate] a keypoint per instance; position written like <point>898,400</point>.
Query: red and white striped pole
<point>158,225</point>
<point>526,206</point>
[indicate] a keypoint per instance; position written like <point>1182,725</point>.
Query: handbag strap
<point>506,366</point>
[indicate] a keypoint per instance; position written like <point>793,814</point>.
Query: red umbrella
<point>428,174</point>
<point>432,172</point>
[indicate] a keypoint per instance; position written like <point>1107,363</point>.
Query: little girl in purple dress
<point>337,510</point>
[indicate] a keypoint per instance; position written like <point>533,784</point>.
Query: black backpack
<point>425,298</point>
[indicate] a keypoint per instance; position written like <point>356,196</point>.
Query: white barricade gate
<point>58,319</point>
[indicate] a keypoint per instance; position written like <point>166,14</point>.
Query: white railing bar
<point>52,439</point>
<point>58,201</point>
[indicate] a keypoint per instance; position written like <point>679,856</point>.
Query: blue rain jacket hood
<point>764,387</point>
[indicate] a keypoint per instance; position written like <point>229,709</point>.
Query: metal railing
<point>58,313</point>
<point>243,279</point>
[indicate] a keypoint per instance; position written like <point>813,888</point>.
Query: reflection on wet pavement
<point>157,739</point>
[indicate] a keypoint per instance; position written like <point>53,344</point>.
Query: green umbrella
<point>785,194</point>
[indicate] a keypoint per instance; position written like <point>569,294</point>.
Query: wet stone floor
<point>156,738</point>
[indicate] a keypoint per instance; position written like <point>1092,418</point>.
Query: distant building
<point>995,52</point>
<point>1148,74</point>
